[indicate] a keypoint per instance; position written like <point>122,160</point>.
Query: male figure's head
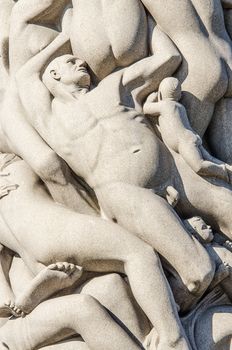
<point>200,229</point>
<point>67,74</point>
<point>169,89</point>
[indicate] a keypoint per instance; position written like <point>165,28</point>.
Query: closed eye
<point>71,60</point>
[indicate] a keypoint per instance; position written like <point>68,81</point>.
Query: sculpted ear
<point>55,75</point>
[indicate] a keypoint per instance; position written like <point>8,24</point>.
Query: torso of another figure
<point>105,141</point>
<point>109,34</point>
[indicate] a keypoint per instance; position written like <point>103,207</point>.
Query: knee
<point>145,254</point>
<point>203,276</point>
<point>86,307</point>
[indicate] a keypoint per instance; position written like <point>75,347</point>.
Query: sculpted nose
<point>82,63</point>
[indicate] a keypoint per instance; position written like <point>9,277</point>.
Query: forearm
<point>37,63</point>
<point>26,10</point>
<point>152,109</point>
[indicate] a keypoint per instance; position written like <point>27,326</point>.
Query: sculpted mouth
<point>81,70</point>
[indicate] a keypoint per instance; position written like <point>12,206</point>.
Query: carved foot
<point>6,298</point>
<point>50,280</point>
<point>14,310</point>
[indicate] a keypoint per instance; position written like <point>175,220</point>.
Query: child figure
<point>220,253</point>
<point>176,131</point>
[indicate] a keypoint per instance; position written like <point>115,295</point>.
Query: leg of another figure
<point>220,130</point>
<point>194,156</point>
<point>51,279</point>
<point>58,318</point>
<point>115,294</point>
<point>72,344</point>
<point>213,208</point>
<point>144,272</point>
<point>6,256</point>
<point>153,220</point>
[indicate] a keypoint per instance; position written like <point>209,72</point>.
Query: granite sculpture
<point>115,174</point>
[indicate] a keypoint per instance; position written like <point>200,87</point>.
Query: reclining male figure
<point>109,144</point>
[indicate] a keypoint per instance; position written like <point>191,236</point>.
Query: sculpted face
<point>170,88</point>
<point>202,228</point>
<point>69,70</point>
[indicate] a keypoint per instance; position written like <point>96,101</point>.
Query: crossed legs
<point>59,318</point>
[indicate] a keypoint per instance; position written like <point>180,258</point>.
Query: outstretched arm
<point>34,95</point>
<point>152,107</point>
<point>34,40</point>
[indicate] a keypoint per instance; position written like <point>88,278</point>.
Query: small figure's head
<point>68,71</point>
<point>170,88</point>
<point>201,229</point>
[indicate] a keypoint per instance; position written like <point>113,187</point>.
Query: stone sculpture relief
<point>115,174</point>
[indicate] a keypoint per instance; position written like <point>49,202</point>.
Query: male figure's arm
<point>34,95</point>
<point>23,14</point>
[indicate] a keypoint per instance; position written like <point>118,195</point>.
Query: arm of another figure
<point>145,75</point>
<point>33,40</point>
<point>26,10</point>
<point>151,107</point>
<point>59,318</point>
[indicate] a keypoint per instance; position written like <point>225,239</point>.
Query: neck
<point>69,93</point>
<point>79,92</point>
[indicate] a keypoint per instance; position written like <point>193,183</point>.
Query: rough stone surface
<point>115,174</point>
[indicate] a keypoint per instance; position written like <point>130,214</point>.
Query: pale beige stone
<point>84,114</point>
